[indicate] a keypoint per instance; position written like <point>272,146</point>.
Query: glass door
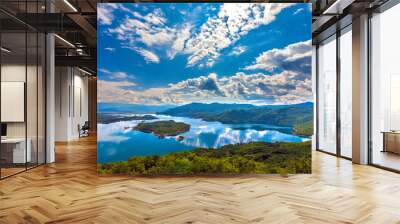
<point>346,92</point>
<point>327,95</point>
<point>385,89</point>
<point>22,77</point>
<point>14,156</point>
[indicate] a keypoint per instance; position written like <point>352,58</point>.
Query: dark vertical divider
<point>37,90</point>
<point>26,80</point>
<point>317,97</point>
<point>1,53</point>
<point>369,71</point>
<point>338,76</point>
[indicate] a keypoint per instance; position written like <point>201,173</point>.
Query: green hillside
<point>107,118</point>
<point>280,117</point>
<point>255,157</point>
<point>305,128</point>
<point>299,115</point>
<point>200,110</point>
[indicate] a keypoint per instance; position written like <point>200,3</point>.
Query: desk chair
<point>84,130</point>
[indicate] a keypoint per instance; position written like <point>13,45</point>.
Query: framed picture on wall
<point>204,88</point>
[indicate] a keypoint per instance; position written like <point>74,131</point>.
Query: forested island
<point>255,157</point>
<point>163,128</point>
<point>106,118</point>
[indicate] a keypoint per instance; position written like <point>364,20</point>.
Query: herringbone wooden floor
<point>70,191</point>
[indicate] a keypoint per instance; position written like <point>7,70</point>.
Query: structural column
<point>50,99</point>
<point>50,92</point>
<point>314,90</point>
<point>360,90</point>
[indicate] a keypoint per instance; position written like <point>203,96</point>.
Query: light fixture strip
<point>326,11</point>
<point>5,50</point>
<point>70,5</point>
<point>86,72</point>
<point>64,40</point>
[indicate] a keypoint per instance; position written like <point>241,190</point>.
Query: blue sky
<point>159,53</point>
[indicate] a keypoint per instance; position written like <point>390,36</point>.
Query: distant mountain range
<point>202,110</point>
<point>131,108</point>
<point>297,116</point>
<point>280,115</point>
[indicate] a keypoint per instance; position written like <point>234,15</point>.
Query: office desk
<point>16,147</point>
<point>391,141</point>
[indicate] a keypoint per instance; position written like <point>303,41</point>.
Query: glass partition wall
<point>334,93</point>
<point>385,89</point>
<point>345,91</point>
<point>327,95</point>
<point>22,77</point>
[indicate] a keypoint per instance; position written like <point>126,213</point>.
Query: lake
<point>116,143</point>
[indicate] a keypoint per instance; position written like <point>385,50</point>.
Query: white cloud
<point>155,18</point>
<point>148,29</point>
<point>238,50</point>
<point>115,75</point>
<point>120,75</point>
<point>217,33</point>
<point>110,91</point>
<point>232,22</point>
<point>298,11</point>
<point>180,38</point>
<point>111,49</point>
<point>114,84</point>
<point>284,87</point>
<point>294,57</point>
<point>113,91</point>
<point>104,14</point>
<point>148,56</point>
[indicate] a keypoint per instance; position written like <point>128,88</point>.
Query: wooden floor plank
<point>70,191</point>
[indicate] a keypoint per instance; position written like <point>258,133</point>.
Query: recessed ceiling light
<point>84,71</point>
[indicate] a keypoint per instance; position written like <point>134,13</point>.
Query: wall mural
<point>204,88</point>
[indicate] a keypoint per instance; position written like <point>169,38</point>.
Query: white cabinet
<point>19,155</point>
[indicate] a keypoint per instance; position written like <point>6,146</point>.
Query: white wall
<point>80,110</point>
<point>33,126</point>
<point>12,73</point>
<point>71,102</point>
<point>62,82</point>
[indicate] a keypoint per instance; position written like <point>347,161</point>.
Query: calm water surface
<point>115,143</point>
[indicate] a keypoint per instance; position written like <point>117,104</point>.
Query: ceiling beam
<point>78,61</point>
<point>86,26</point>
